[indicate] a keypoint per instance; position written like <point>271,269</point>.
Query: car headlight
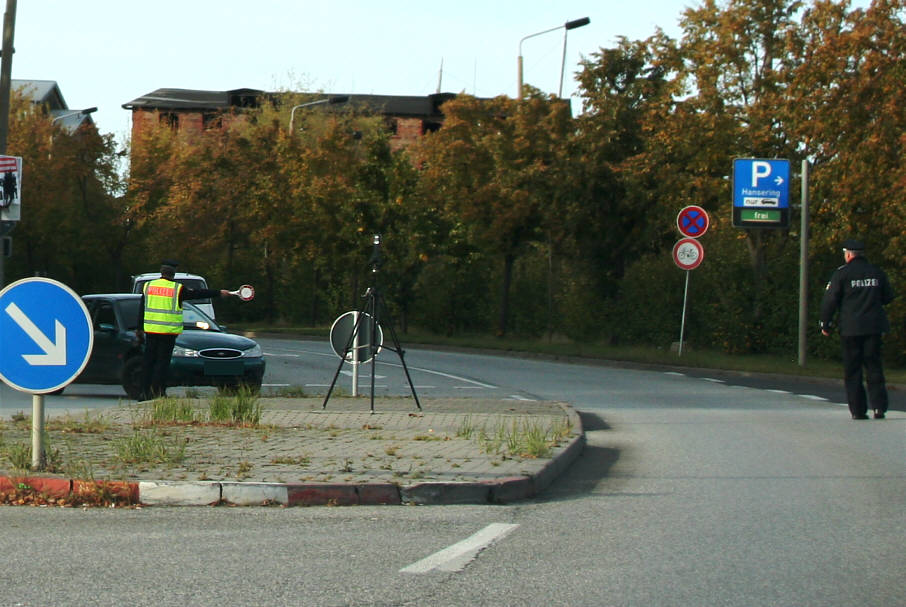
<point>254,352</point>
<point>181,352</point>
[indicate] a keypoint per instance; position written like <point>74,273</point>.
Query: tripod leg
<point>399,350</point>
<point>372,344</point>
<point>346,350</point>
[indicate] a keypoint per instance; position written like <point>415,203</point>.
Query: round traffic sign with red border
<point>688,253</point>
<point>692,221</point>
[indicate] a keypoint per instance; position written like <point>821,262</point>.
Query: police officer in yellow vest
<point>160,322</point>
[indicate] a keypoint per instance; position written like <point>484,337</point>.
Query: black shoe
<point>879,414</point>
<point>863,416</point>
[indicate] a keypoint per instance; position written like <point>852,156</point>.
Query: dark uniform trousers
<point>859,351</point>
<point>158,350</point>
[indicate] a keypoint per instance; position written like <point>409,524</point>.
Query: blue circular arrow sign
<point>692,221</point>
<point>46,335</point>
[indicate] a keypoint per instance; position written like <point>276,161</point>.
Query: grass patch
<point>174,411</point>
<point>244,408</point>
<point>150,447</point>
<point>520,438</point>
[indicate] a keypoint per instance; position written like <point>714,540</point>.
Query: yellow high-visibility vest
<point>163,314</point>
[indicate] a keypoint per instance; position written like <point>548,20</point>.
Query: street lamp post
<point>83,113</point>
<point>569,25</point>
<point>330,100</point>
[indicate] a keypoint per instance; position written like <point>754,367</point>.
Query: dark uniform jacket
<point>860,290</point>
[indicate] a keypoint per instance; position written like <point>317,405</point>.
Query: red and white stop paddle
<point>245,292</point>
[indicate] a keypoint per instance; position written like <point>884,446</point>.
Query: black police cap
<point>853,245</point>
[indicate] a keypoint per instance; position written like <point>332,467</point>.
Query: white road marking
<point>349,373</point>
<point>447,375</point>
<point>518,397</point>
<point>811,397</point>
<point>676,373</point>
<point>456,557</point>
<point>716,381</point>
<point>775,391</point>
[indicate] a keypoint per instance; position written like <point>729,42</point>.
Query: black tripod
<point>374,309</point>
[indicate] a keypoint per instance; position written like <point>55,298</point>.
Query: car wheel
<point>132,378</point>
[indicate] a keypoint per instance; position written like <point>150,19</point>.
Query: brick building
<point>407,117</point>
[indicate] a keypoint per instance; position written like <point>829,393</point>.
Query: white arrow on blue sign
<point>45,335</point>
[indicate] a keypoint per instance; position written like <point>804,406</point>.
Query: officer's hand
<point>825,332</point>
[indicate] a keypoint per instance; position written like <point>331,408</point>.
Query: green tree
<point>492,170</point>
<point>71,213</point>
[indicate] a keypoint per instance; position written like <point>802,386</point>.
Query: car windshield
<point>193,318</point>
<point>192,283</point>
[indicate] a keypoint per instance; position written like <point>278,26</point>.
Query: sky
<point>104,53</point>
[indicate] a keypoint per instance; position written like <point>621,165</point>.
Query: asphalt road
<point>691,491</point>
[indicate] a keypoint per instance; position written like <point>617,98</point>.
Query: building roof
<point>41,92</point>
<point>47,93</point>
<point>177,99</point>
<point>186,99</point>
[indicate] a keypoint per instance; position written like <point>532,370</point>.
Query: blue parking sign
<point>46,335</point>
<point>761,193</point>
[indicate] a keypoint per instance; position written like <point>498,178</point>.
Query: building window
<point>169,119</point>
<point>429,126</point>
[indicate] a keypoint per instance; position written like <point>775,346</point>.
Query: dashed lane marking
<point>456,557</point>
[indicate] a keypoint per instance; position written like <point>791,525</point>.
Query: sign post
<point>761,193</point>
<point>352,332</point>
<point>47,337</point>
<point>692,221</point>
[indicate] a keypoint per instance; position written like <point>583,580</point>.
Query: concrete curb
<point>237,493</point>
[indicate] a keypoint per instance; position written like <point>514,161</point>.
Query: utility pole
<point>6,70</point>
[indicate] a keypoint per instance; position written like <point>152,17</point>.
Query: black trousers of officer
<point>863,351</point>
<point>156,363</point>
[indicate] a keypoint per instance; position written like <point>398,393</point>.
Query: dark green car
<point>205,355</point>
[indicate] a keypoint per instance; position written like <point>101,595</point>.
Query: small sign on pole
<point>11,185</point>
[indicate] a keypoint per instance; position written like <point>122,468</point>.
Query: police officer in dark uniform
<point>859,290</point>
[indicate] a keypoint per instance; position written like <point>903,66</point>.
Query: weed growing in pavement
<point>243,409</point>
<point>173,411</point>
<point>466,428</point>
<point>525,439</point>
<point>19,455</point>
<point>150,447</point>
<point>94,423</point>
<point>300,460</point>
<point>244,469</point>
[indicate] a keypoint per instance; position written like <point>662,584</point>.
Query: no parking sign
<point>692,221</point>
